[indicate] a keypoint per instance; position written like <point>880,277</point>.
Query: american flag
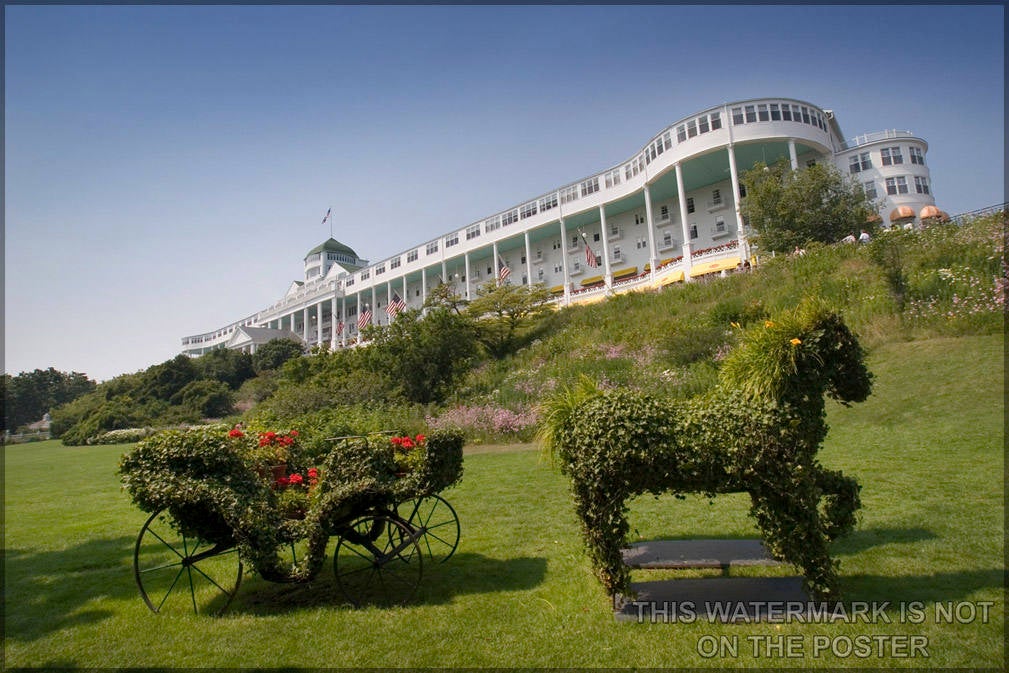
<point>326,216</point>
<point>590,257</point>
<point>395,306</point>
<point>364,319</point>
<point>503,271</point>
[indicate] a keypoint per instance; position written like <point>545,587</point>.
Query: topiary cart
<point>213,510</point>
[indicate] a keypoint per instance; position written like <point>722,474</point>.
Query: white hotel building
<point>667,214</point>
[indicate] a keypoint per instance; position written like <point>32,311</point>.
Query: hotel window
<point>492,224</point>
<point>693,231</point>
<point>751,113</point>
<point>614,231</point>
<point>796,114</point>
<point>548,202</point>
<point>786,112</point>
<point>510,217</point>
<point>775,113</point>
<point>897,185</point>
<point>613,178</point>
<point>859,162</point>
<point>628,174</point>
<point>558,268</point>
<point>365,275</point>
<point>528,210</point>
<point>452,239</point>
<point>540,274</point>
<point>616,253</point>
<point>432,247</point>
<point>920,184</point>
<point>380,269</point>
<point>590,186</point>
<point>574,241</point>
<point>569,194</point>
<point>667,140</point>
<point>870,189</point>
<point>716,197</point>
<point>805,115</point>
<point>394,263</point>
<point>737,116</point>
<point>891,156</point>
<point>640,243</point>
<point>667,238</point>
<point>691,128</point>
<point>690,204</point>
<point>702,124</point>
<point>716,120</point>
<point>472,232</point>
<point>762,112</point>
<point>681,133</point>
<point>719,225</point>
<point>663,213</point>
<point>412,256</point>
<point>916,156</point>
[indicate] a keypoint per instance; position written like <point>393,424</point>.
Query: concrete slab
<point>697,554</point>
<point>719,599</point>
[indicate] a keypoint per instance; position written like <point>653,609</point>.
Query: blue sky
<point>168,167</point>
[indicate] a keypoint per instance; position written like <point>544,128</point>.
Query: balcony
<point>868,138</point>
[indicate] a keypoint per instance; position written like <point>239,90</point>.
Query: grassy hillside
<point>927,448</point>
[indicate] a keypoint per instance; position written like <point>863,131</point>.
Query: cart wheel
<point>435,523</point>
<point>376,569</point>
<point>175,571</point>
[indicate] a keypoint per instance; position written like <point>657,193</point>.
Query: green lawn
<point>927,447</point>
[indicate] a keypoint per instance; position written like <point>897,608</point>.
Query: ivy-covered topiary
<point>211,481</point>
<point>758,432</point>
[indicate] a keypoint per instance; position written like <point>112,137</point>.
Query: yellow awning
<point>592,281</point>
<point>629,271</point>
<point>713,267</point>
<point>671,278</point>
<point>557,289</point>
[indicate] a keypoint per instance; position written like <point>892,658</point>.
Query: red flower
<point>235,432</point>
<point>420,439</point>
<point>293,433</point>
<point>407,443</point>
<point>397,440</point>
<point>295,479</point>
<point>284,481</point>
<point>313,473</point>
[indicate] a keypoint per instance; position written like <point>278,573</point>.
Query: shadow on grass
<point>862,539</point>
<point>49,591</point>
<point>940,587</point>
<point>463,574</point>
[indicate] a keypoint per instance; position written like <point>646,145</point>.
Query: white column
<point>495,265</point>
<point>653,260</point>
<point>343,317</point>
<point>304,324</point>
<point>529,258</point>
<point>607,271</point>
<point>405,296</point>
<point>792,155</point>
<point>388,299</point>
<point>444,272</point>
<point>374,319</point>
<point>333,321</point>
<point>564,258</point>
<point>687,248</point>
<point>468,276</point>
<point>744,246</point>
<point>318,323</point>
<point>423,285</point>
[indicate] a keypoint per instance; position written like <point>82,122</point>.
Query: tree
<point>423,356</point>
<point>30,395</point>
<point>208,398</point>
<point>793,208</point>
<point>275,353</point>
<point>226,365</point>
<point>504,313</point>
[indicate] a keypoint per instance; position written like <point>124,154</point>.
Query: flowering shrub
<point>294,492</point>
<point>489,422</point>
<point>408,452</point>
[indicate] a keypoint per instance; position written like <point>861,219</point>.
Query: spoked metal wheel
<point>178,572</point>
<point>435,523</point>
<point>378,561</point>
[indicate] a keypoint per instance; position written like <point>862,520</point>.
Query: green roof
<point>332,245</point>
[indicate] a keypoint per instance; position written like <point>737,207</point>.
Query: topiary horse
<point>758,431</point>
